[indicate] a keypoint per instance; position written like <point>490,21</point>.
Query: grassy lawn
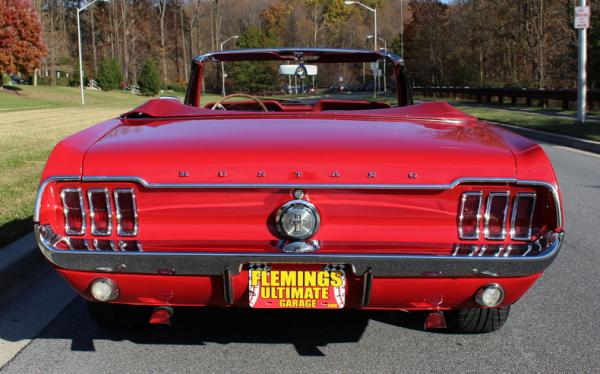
<point>538,121</point>
<point>30,126</point>
<point>543,119</point>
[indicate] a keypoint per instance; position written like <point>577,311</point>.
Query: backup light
<point>490,296</point>
<point>104,289</point>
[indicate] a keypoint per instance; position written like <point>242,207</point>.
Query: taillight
<point>73,211</point>
<point>495,215</point>
<point>100,211</point>
<point>468,222</point>
<point>104,245</point>
<point>522,216</point>
<point>126,212</point>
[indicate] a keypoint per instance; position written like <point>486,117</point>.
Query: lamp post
<point>385,49</point>
<point>223,65</point>
<point>401,29</point>
<point>79,10</point>
<point>374,11</point>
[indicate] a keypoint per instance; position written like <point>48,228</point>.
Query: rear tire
<point>118,316</point>
<point>478,320</point>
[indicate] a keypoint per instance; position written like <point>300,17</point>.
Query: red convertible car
<point>329,200</point>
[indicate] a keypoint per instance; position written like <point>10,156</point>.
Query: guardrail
<point>486,95</point>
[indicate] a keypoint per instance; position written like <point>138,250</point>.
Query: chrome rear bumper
<point>379,265</point>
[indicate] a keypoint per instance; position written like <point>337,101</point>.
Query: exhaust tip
<point>161,316</point>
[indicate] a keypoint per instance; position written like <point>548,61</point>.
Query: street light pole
<point>79,10</point>
<point>401,29</point>
<point>385,49</point>
<point>374,11</point>
<point>581,71</point>
<point>223,65</point>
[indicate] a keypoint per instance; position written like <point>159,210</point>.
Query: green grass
<point>538,121</point>
<point>30,126</point>
<point>39,97</point>
<point>552,120</point>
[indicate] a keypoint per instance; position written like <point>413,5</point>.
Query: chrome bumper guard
<point>209,263</point>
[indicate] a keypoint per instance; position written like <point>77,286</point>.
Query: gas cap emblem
<point>297,220</point>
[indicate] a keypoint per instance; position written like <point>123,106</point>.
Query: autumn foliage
<point>21,45</point>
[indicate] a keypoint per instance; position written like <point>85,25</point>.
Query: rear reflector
<point>100,212</point>
<point>522,216</point>
<point>126,212</point>
<point>495,215</point>
<point>468,222</point>
<point>73,211</point>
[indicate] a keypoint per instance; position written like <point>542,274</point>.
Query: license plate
<point>296,286</point>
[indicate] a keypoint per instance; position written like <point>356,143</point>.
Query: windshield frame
<point>299,55</point>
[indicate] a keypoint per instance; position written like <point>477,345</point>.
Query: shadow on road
<point>306,330</point>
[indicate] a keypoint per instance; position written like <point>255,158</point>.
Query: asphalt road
<point>554,328</point>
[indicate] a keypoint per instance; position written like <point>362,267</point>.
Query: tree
<point>21,45</point>
<point>149,79</point>
<point>74,81</point>
<point>109,75</point>
<point>254,76</point>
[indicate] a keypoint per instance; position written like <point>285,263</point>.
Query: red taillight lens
<point>103,245</point>
<point>100,212</point>
<point>73,211</point>
<point>522,216</point>
<point>470,207</point>
<point>495,215</point>
<point>126,212</point>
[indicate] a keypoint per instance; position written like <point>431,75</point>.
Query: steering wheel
<point>219,104</point>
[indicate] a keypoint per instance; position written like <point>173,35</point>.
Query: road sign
<point>582,17</point>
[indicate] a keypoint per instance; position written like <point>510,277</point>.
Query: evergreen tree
<point>149,79</point>
<point>109,75</point>
<point>74,81</point>
<point>254,77</point>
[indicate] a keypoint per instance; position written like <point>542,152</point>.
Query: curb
<point>564,140</point>
<point>21,263</point>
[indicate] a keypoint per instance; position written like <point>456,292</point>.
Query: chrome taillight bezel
<point>464,197</point>
<point>117,193</point>
<point>518,196</point>
<point>66,213</point>
<point>486,231</point>
<point>94,229</point>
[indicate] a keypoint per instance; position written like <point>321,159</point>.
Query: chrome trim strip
<point>146,184</point>
<point>126,191</point>
<point>486,230</point>
<point>95,231</point>
<point>211,263</point>
<point>449,186</point>
<point>518,196</point>
<point>66,213</point>
<point>461,217</point>
<point>42,188</point>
